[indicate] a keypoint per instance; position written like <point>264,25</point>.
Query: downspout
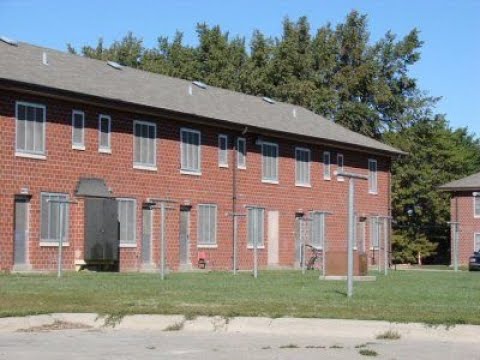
<point>234,198</point>
<point>390,230</point>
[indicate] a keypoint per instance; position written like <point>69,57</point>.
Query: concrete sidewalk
<point>245,325</point>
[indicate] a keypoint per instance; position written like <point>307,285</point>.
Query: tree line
<point>337,72</point>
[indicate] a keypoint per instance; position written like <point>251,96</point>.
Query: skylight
<point>200,84</point>
<point>9,41</point>
<point>115,65</point>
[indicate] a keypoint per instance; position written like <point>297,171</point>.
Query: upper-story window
<point>30,129</point>
<point>326,166</point>
<point>302,167</point>
<point>190,141</point>
<point>145,144</point>
<point>222,150</point>
<point>372,176</point>
<point>104,133</point>
<point>241,153</point>
<point>78,130</point>
<point>340,166</point>
<point>476,205</point>
<point>269,162</point>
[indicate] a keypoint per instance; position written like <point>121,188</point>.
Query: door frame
<point>26,199</point>
<point>186,209</point>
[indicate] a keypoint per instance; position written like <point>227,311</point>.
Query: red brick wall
<point>64,166</point>
<point>462,211</point>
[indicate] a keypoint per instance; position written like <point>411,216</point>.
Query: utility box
<point>336,263</point>
<point>101,231</point>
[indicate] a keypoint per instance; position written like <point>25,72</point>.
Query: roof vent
<point>199,84</point>
<point>294,112</point>
<point>190,90</point>
<point>268,100</point>
<point>44,58</point>
<point>9,41</point>
<point>114,65</point>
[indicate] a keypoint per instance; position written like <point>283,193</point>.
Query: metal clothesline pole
<point>454,227</point>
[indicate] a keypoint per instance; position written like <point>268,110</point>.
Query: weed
<point>389,335</point>
<point>111,320</point>
<point>314,347</point>
<point>289,346</point>
<point>336,347</point>
<point>266,347</point>
<point>175,327</point>
<point>368,352</point>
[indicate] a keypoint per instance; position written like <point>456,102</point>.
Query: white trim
<point>200,246</point>
<point>475,215</point>
<point>127,245</point>
<point>244,141</point>
<point>30,156</point>
<point>105,149</point>
<point>210,245</point>
<point>27,153</point>
<point>191,171</point>
<point>309,183</point>
<point>370,190</point>
<point>277,170</point>
<point>340,168</point>
<point>82,145</point>
<point>220,150</point>
<point>475,240</point>
<point>327,166</point>
<point>145,166</point>
<point>53,243</point>
<point>259,247</point>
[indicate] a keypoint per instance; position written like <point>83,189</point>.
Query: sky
<point>449,66</point>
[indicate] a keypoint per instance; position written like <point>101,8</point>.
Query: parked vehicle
<point>474,262</point>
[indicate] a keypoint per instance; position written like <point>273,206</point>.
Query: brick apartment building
<point>113,140</point>
<point>465,211</point>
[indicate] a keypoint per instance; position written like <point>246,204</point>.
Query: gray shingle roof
<point>23,63</point>
<point>471,182</point>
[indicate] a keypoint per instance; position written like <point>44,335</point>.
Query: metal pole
<point>303,224</point>
<point>255,259</point>
<point>455,247</point>
<point>385,244</point>
<point>351,224</point>
<point>162,241</point>
<point>234,244</point>
<point>60,241</point>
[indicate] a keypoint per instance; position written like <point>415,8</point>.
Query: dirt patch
<point>56,325</point>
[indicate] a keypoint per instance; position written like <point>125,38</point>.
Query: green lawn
<point>430,297</point>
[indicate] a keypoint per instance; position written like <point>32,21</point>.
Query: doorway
<point>20,257</point>
<point>184,238</point>
<point>147,215</point>
<point>273,216</point>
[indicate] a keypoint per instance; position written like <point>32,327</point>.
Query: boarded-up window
<point>269,162</point>
<point>127,215</point>
<point>207,224</point>
<point>78,129</point>
<point>318,229</point>
<point>50,216</point>
<point>476,205</point>
<point>223,150</point>
<point>190,150</point>
<point>104,133</point>
<point>372,176</point>
<point>302,167</point>
<point>30,128</point>
<point>255,226</point>
<point>241,153</point>
<point>326,165</point>
<point>145,148</point>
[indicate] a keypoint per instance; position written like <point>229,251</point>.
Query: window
<point>78,130</point>
<point>222,150</point>
<point>241,153</point>
<point>372,176</point>
<point>476,245</point>
<point>476,206</point>
<point>30,129</point>
<point>255,219</point>
<point>340,166</point>
<point>302,167</point>
<point>269,162</point>
<point>104,133</point>
<point>190,151</point>
<point>318,229</point>
<point>127,215</point>
<point>145,145</point>
<point>326,166</point>
<point>51,218</point>
<point>375,231</point>
<point>207,225</point>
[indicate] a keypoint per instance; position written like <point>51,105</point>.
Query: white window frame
<point>104,149</point>
<point>184,170</point>
<point>205,245</point>
<point>129,244</point>
<point>297,182</point>
<point>145,166</point>
<point>41,155</point>
<point>222,151</point>
<point>53,242</point>
<point>262,245</point>
<point>372,190</point>
<point>327,166</point>
<point>476,248</point>
<point>340,166</point>
<point>78,146</point>
<point>276,147</point>
<point>475,199</point>
<point>241,165</point>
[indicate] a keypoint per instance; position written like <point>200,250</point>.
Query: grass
<point>368,352</point>
<point>289,346</point>
<point>175,327</point>
<point>430,297</point>
<point>389,335</point>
